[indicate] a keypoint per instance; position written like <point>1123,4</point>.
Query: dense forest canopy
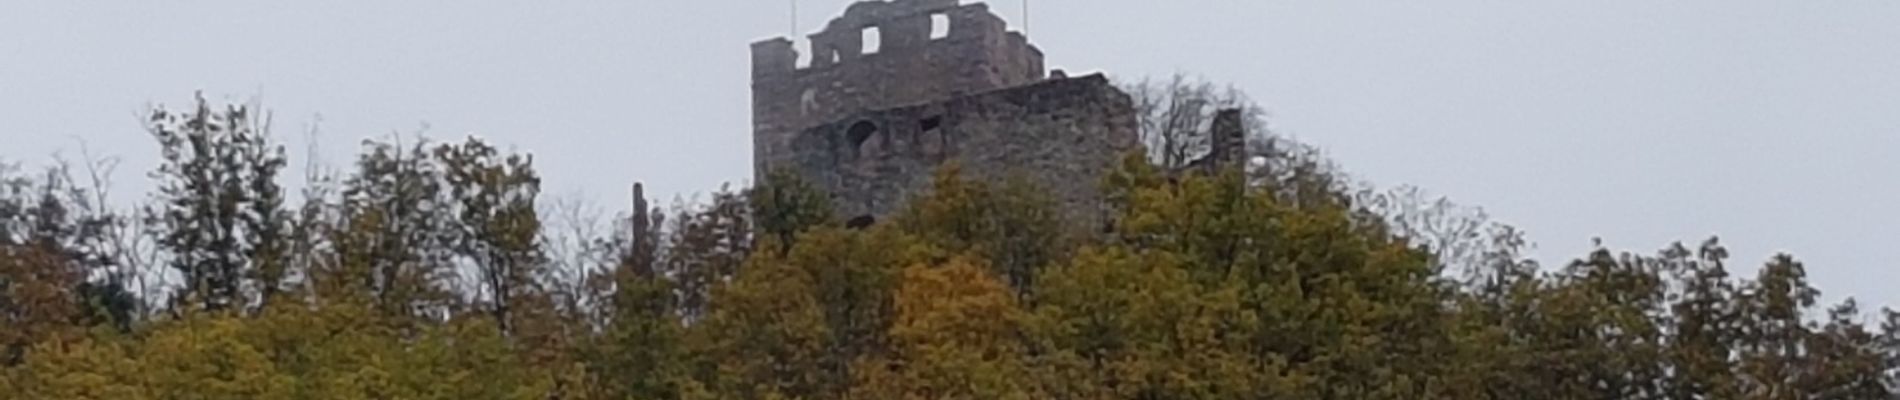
<point>436,270</point>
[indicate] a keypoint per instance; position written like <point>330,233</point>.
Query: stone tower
<point>896,88</point>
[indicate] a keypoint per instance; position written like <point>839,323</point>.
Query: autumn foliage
<point>432,271</point>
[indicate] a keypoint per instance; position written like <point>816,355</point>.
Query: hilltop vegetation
<point>432,271</point>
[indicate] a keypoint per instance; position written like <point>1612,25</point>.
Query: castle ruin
<point>895,89</point>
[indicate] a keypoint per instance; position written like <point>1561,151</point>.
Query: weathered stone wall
<point>872,128</point>
<point>1060,135</point>
<point>977,54</point>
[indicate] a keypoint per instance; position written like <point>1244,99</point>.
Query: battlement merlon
<point>904,27</point>
<point>772,57</point>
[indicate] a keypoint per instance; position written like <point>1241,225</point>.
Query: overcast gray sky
<point>1775,124</point>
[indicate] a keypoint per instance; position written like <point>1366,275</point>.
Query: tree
<point>208,358</point>
<point>1848,363</point>
<point>1704,335</point>
<point>1117,323</point>
<point>854,274</point>
<point>641,350</point>
<point>786,206</point>
<point>641,353</point>
<point>37,269</point>
<point>956,336</point>
<point>1462,239</point>
<point>1015,226</point>
<point>387,240</point>
<point>1174,115</point>
<point>707,248</point>
<point>1601,328</point>
<point>1772,355</point>
<point>498,226</point>
<point>1273,281</point>
<point>1345,302</point>
<point>58,271</point>
<point>219,212</point>
<point>763,336</point>
<point>92,369</point>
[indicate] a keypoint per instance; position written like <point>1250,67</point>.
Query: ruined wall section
<point>1227,147</point>
<point>1060,135</point>
<point>910,67</point>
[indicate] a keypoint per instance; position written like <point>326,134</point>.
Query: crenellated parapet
<point>903,28</point>
<point>893,90</point>
<point>882,54</point>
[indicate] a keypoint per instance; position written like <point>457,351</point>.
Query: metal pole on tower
<point>794,32</point>
<point>1025,17</point>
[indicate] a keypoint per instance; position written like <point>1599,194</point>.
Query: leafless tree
<point>1465,239</point>
<point>578,245</point>
<point>1175,115</point>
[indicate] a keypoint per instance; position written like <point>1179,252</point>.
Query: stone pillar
<point>1228,140</point>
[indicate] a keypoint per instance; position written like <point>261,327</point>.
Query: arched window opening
<point>873,40</point>
<point>930,138</point>
<point>860,133</point>
<point>939,26</point>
